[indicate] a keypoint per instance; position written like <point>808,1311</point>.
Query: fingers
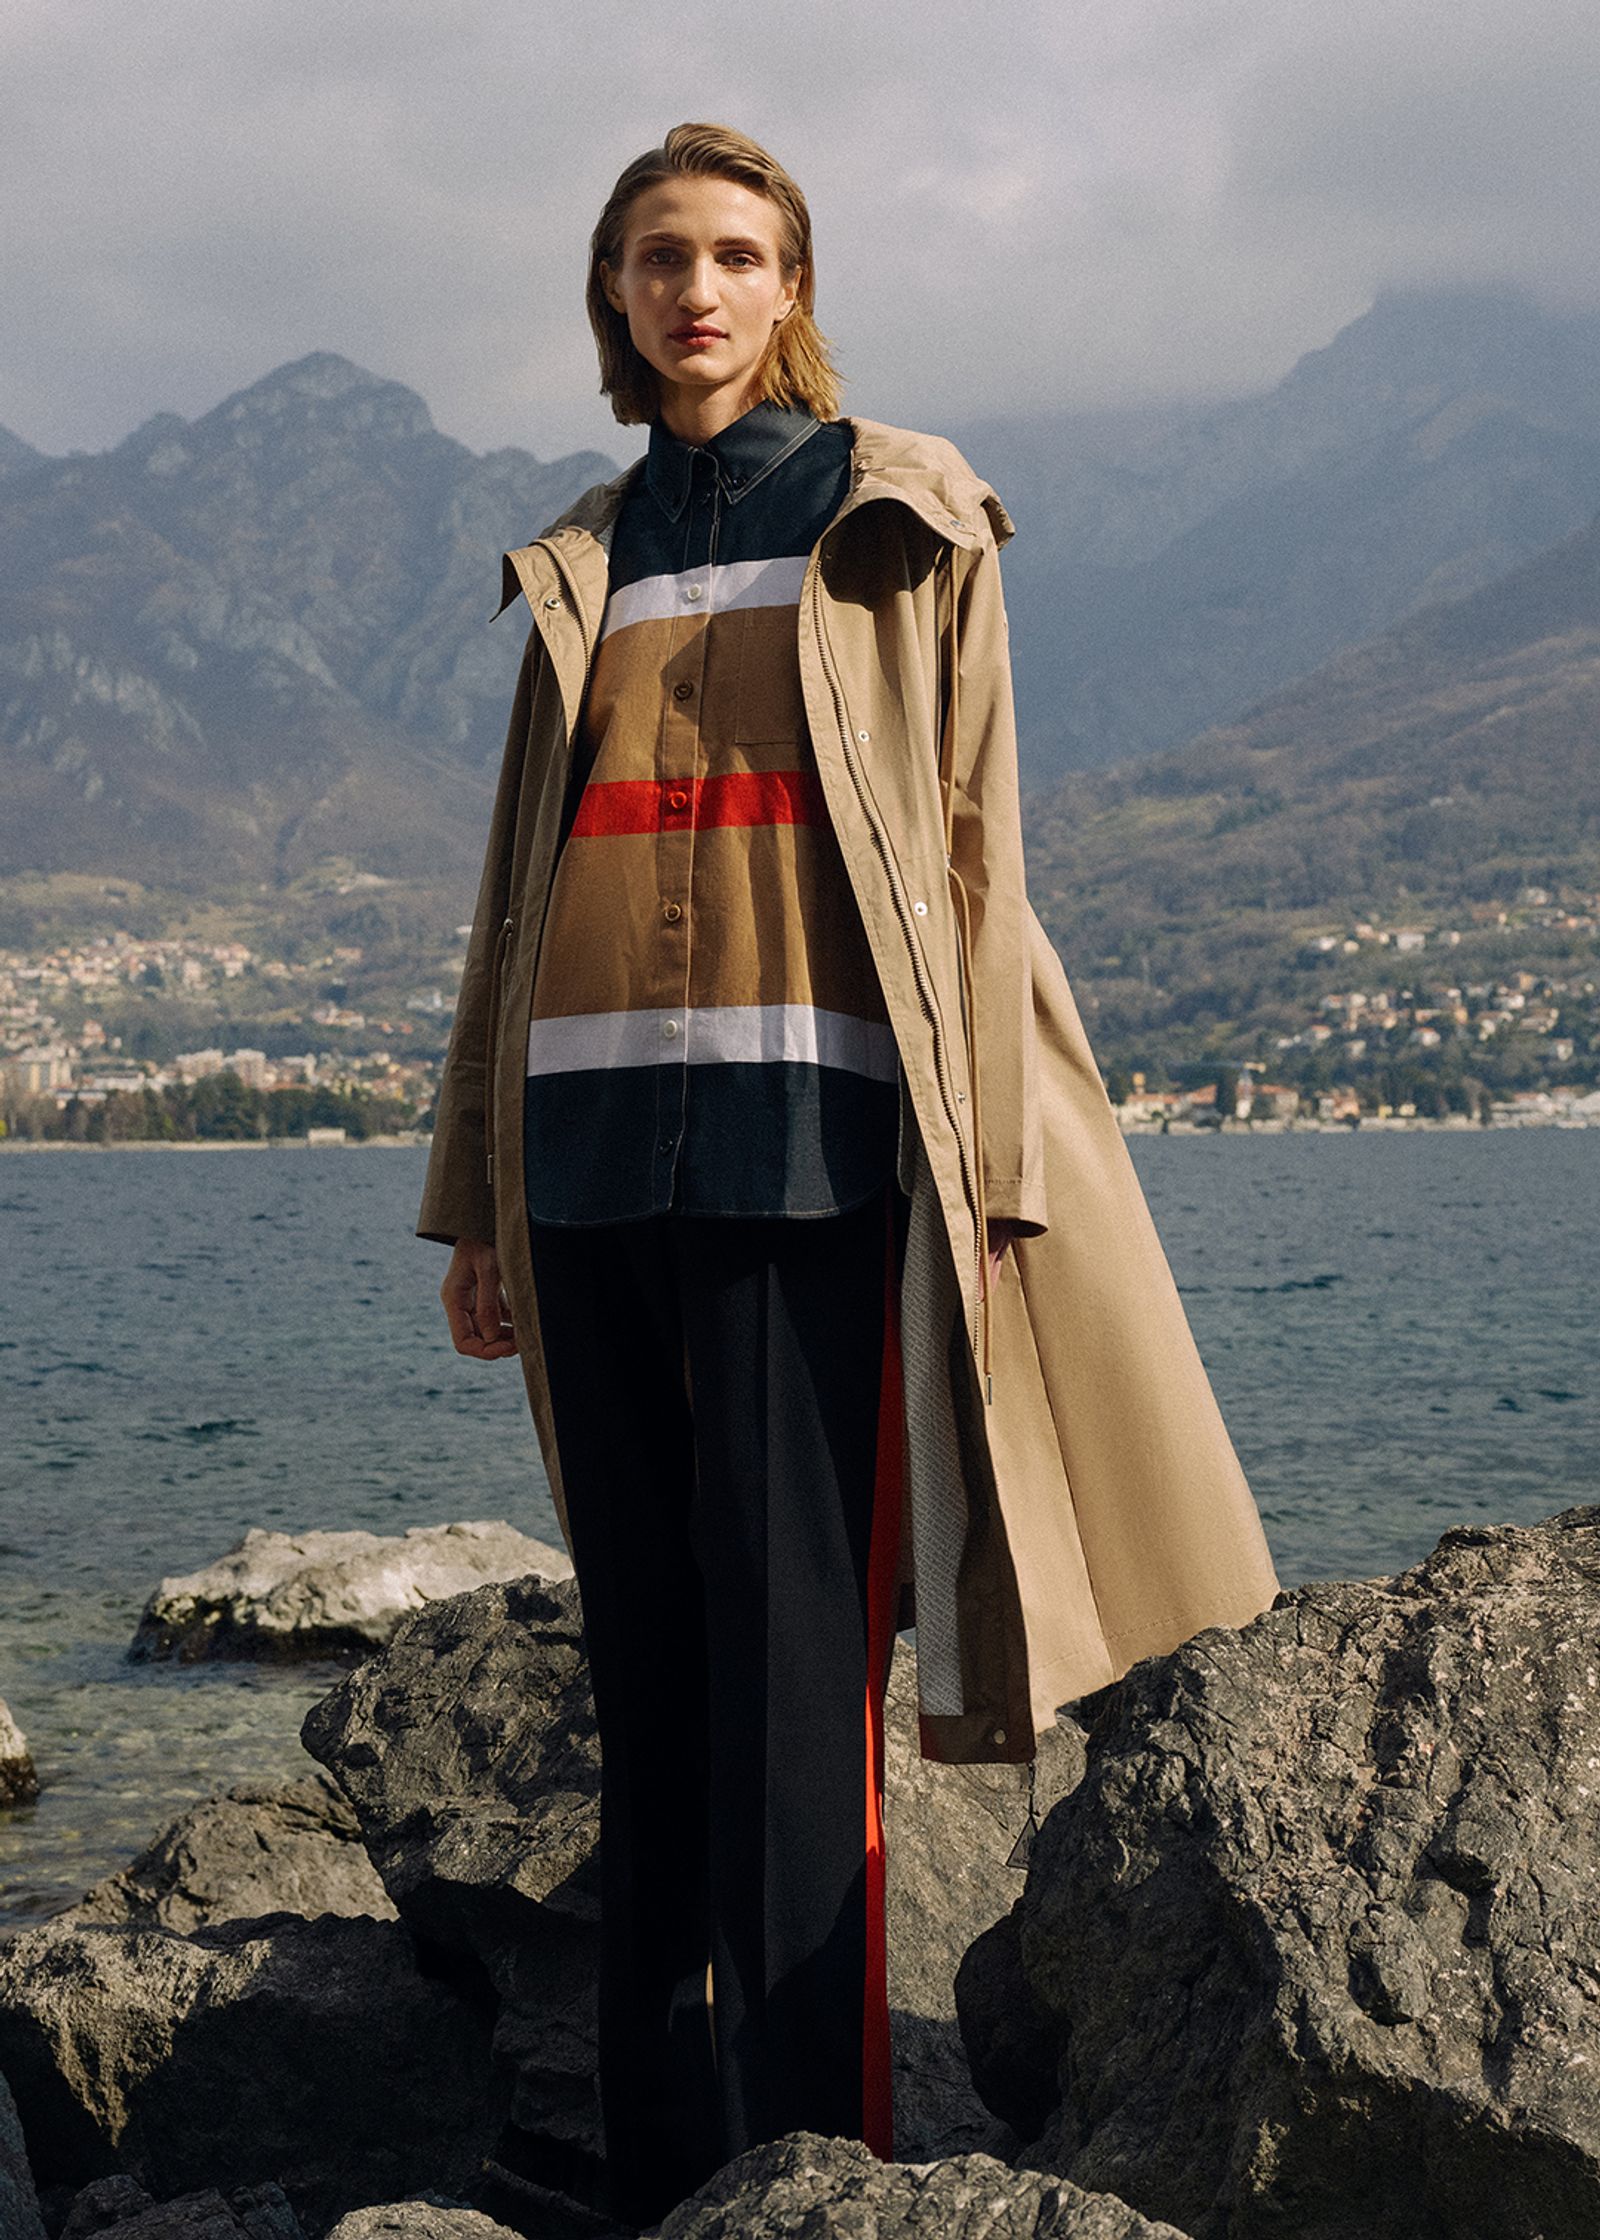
<point>475,1304</point>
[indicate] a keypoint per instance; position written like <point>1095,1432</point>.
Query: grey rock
<point>19,1783</point>
<point>104,2202</point>
<point>470,1752</point>
<point>1315,1935</point>
<point>19,2203</point>
<point>805,2184</point>
<point>330,2055</point>
<point>121,2206</point>
<point>291,1847</point>
<point>291,1595</point>
<point>423,2217</point>
<point>948,1833</point>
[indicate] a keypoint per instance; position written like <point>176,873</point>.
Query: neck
<point>696,415</point>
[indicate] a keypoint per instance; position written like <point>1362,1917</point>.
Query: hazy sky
<point>1080,202</point>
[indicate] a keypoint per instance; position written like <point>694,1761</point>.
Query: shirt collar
<point>741,454</point>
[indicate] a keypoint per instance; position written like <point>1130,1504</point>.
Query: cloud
<point>1045,203</point>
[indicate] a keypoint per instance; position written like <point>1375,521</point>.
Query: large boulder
<point>1311,1948</point>
<point>807,2184</point>
<point>468,1749</point>
<point>19,2201</point>
<point>283,1596</point>
<point>423,2217</point>
<point>279,1847</point>
<point>121,2207</point>
<point>470,1752</point>
<point>327,2054</point>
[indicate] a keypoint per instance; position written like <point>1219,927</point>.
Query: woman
<point>769,1138</point>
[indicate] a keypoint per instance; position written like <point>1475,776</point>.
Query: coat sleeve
<point>986,850</point>
<point>457,1195</point>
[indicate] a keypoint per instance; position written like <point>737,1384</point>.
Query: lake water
<point>1400,1328</point>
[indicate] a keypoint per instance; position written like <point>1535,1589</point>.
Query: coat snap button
<point>672,911</point>
<point>863,736</point>
<point>554,599</point>
<point>921,908</point>
<point>999,1734</point>
<point>682,689</point>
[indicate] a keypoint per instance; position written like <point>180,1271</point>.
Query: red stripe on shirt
<point>740,797</point>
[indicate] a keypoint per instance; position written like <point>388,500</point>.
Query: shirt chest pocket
<point>769,706</point>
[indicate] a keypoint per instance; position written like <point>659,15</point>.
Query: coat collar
<point>925,472</point>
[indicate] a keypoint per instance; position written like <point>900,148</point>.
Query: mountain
<point>1450,762</point>
<point>15,455</point>
<point>1169,569</point>
<point>233,647</point>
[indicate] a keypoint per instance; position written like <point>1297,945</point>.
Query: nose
<point>698,294</point>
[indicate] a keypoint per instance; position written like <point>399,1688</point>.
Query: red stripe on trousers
<point>883,1555</point>
<point>616,805</point>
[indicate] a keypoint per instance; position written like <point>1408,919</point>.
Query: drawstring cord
<point>947,750</point>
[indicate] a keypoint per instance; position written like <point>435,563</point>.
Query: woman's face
<point>700,284</point>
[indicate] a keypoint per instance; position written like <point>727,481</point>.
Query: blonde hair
<point>797,369</point>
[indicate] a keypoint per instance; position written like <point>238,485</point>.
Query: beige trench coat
<point>1073,1500</point>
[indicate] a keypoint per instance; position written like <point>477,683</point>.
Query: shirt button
<point>999,1734</point>
<point>669,1028</point>
<point>673,910</point>
<point>683,689</point>
<point>677,801</point>
<point>695,591</point>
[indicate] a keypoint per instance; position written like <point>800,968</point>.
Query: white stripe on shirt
<point>715,1034</point>
<point>719,590</point>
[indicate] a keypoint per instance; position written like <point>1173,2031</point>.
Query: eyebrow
<point>724,241</point>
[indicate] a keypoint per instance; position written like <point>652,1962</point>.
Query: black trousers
<point>726,1395</point>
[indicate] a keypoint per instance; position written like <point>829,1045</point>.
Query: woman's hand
<point>1001,1234</point>
<point>474,1304</point>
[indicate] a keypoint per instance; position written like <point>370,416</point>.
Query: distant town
<point>1413,1044</point>
<point>85,1054</point>
<point>65,1073</point>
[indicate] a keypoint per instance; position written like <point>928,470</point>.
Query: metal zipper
<point>891,866</point>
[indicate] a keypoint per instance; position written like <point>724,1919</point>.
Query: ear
<point>609,285</point>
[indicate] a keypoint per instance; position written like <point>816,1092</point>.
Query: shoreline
<point>407,1142</point>
<point>1393,1124</point>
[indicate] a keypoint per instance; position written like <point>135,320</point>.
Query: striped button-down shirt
<point>708,1035</point>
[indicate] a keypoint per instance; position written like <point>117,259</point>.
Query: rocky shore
<point>1303,1946</point>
